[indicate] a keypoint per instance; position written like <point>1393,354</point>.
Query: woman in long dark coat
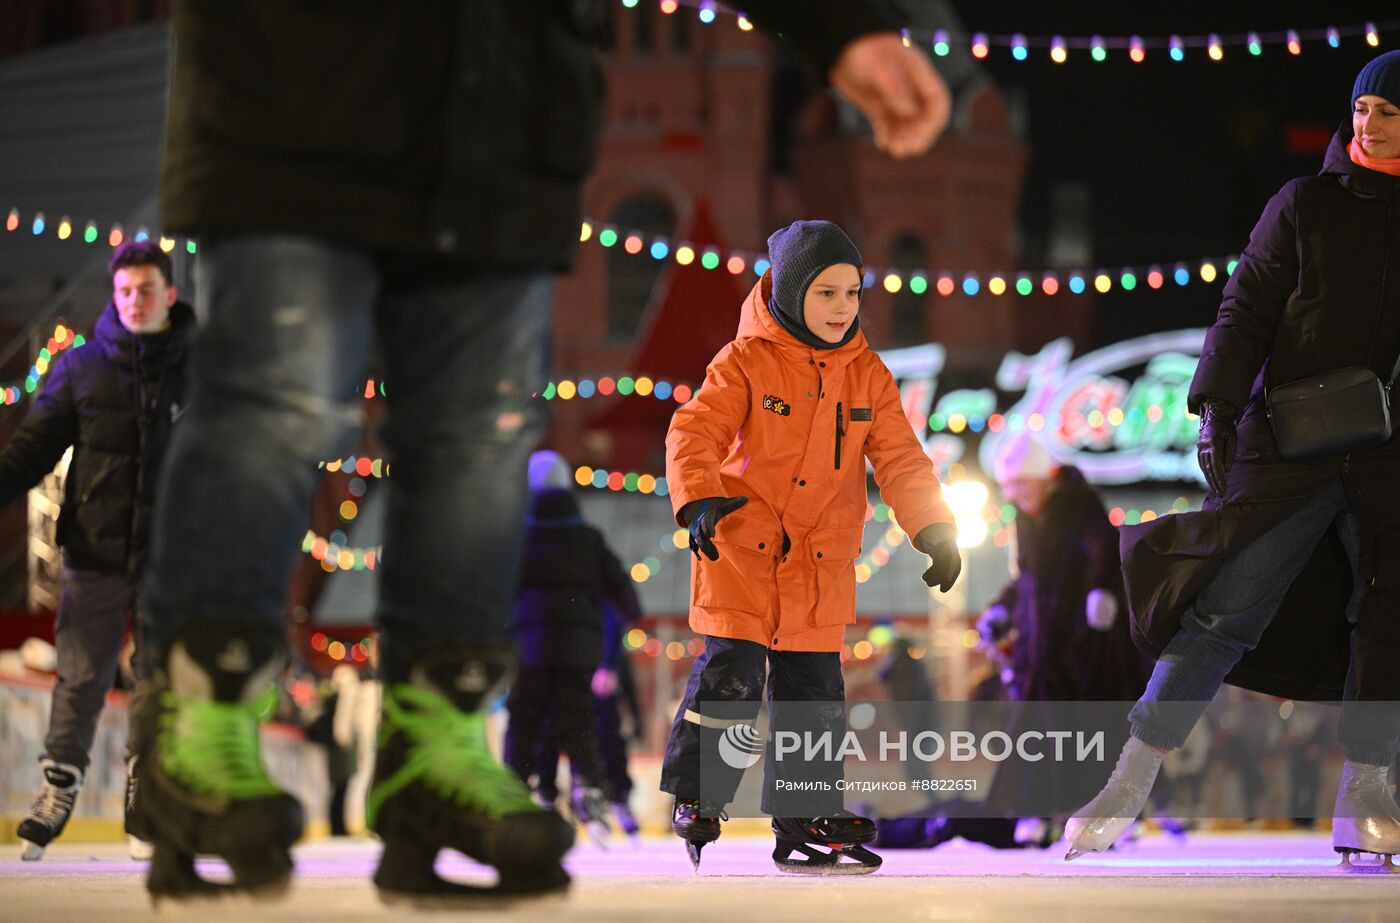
<point>1288,580</point>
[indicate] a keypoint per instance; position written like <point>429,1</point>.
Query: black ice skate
<point>626,822</point>
<point>590,809</point>
<point>51,809</point>
<point>842,834</point>
<point>203,787</point>
<point>437,786</point>
<point>696,822</point>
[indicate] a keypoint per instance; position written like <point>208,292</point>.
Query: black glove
<point>940,542</point>
<point>702,516</point>
<point>1215,447</point>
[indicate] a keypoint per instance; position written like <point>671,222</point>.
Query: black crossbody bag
<point>1346,410</point>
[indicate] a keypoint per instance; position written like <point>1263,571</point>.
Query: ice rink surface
<point>1208,877</point>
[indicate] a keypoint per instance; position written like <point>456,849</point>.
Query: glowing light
<point>918,284</point>
<point>633,244</point>
<point>957,422</point>
<point>970,284</point>
<point>635,638</point>
<point>707,11</point>
<point>979,45</point>
<point>1154,278</point>
<point>1102,283</point>
<point>735,265</point>
<point>1230,267</point>
<point>1214,48</point>
<point>1256,48</point>
<point>996,285</point>
<point>1334,38</point>
<point>966,498</point>
<point>38,225</point>
<point>1076,284</point>
<point>904,37</point>
<point>566,390</point>
<point>1136,53</point>
<point>585,231</point>
<point>167,244</point>
<point>669,6</point>
<point>335,650</point>
<point>862,650</point>
<point>1295,47</point>
<point>1177,52</point>
<point>90,233</point>
<point>1058,53</point>
<point>1181,275</point>
<point>745,25</point>
<point>662,390</point>
<point>893,283</point>
<point>863,573</point>
<point>583,476</point>
<point>760,266</point>
<point>945,285</point>
<point>640,573</point>
<point>625,385</point>
<point>675,650</point>
<point>646,483</point>
<point>607,237</point>
<point>1024,286</point>
<point>710,259</point>
<point>617,481</point>
<point>940,43</point>
<point>1050,285</point>
<point>1373,37</point>
<point>1097,49</point>
<point>659,249</point>
<point>115,237</point>
<point>1207,272</point>
<point>643,386</point>
<point>606,386</point>
<point>12,222</point>
<point>1128,281</point>
<point>65,231</point>
<point>682,394</point>
<point>1018,47</point>
<point>586,388</point>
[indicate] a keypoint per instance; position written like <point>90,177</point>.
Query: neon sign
<point>1085,412</point>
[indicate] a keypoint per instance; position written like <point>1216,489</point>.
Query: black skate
<point>626,822</point>
<point>696,822</point>
<point>51,809</point>
<point>203,787</point>
<point>843,834</point>
<point>437,786</point>
<point>590,810</point>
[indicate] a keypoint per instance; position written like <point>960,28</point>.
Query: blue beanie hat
<point>1380,77</point>
<point>799,253</point>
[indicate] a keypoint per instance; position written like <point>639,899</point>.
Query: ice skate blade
<point>1073,854</point>
<point>692,851</point>
<point>863,861</point>
<point>211,894</point>
<point>33,852</point>
<point>1384,865</point>
<point>598,833</point>
<point>138,849</point>
<point>544,893</point>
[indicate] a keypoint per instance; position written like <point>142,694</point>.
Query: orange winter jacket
<point>790,428</point>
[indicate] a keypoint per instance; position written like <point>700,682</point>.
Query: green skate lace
<point>448,752</point>
<point>212,747</point>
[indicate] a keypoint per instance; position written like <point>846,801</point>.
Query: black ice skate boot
<point>51,809</point>
<point>696,822</point>
<point>590,809</point>
<point>437,786</point>
<point>843,834</point>
<point>203,787</point>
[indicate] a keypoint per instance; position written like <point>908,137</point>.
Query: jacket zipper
<point>840,431</point>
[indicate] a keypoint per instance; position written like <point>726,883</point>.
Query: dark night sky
<point>1181,157</point>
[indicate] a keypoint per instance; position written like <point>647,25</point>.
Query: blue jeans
<point>1230,616</point>
<point>278,370</point>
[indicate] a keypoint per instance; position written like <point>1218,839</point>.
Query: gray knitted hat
<point>799,253</point>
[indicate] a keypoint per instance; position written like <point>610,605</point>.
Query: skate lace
<point>212,748</point>
<point>448,752</point>
<point>53,804</point>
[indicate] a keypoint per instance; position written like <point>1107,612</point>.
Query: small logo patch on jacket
<point>776,404</point>
<point>860,415</point>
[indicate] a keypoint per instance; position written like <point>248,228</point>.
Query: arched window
<point>907,312</point>
<point>632,279</point>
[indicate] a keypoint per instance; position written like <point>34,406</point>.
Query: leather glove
<point>1101,609</point>
<point>1215,447</point>
<point>702,516</point>
<point>940,542</point>
<point>993,625</point>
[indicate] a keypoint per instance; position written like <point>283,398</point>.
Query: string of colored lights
<point>356,651</point>
<point>944,282</point>
<point>67,229</point>
<point>626,385</point>
<point>942,41</point>
<point>631,482</point>
<point>63,338</point>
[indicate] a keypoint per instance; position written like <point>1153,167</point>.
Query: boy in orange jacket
<point>766,467</point>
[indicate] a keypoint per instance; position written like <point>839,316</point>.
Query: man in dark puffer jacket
<point>114,401</point>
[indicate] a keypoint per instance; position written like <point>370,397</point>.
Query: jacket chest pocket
<point>833,555</point>
<point>742,579</point>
